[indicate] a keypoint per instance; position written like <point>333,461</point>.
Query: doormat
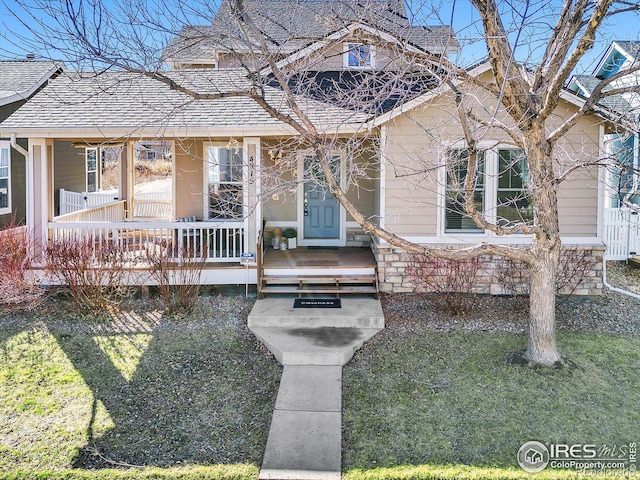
<point>322,248</point>
<point>317,303</point>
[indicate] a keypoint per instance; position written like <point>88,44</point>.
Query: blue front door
<point>321,207</point>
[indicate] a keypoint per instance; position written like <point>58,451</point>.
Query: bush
<point>16,285</point>
<point>97,274</point>
<point>178,282</point>
<point>452,281</point>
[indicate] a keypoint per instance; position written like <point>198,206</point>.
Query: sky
<point>459,13</point>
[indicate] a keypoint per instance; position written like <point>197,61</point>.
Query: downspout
<point>611,287</point>
<point>14,144</point>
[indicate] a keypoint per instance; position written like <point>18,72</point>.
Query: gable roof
<point>19,79</point>
<point>631,48</point>
<point>289,25</point>
<point>115,104</point>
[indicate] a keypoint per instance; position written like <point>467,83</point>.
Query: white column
<point>251,147</point>
<point>38,193</point>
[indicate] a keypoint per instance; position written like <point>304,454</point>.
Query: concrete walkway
<point>305,439</point>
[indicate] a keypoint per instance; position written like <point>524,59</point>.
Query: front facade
<point>237,177</point>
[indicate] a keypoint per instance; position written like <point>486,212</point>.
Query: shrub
<point>451,281</point>
<point>97,274</point>
<point>17,287</point>
<point>178,282</point>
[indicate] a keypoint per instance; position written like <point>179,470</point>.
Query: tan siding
<point>417,140</point>
<point>189,179</point>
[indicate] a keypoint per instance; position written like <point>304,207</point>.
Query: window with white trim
<point>224,166</point>
<point>500,189</point>
<point>359,55</point>
<point>5,177</point>
<point>91,157</point>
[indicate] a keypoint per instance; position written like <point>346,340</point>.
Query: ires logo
<point>560,451</point>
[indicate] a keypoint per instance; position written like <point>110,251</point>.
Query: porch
<point>318,270</point>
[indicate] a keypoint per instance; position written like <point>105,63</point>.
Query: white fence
<point>213,241</point>
<point>74,201</point>
<point>111,212</point>
<point>621,233</point>
<point>145,205</point>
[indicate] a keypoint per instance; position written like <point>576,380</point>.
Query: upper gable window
<point>358,55</point>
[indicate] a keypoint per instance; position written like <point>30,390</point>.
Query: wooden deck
<point>307,270</point>
<point>306,257</point>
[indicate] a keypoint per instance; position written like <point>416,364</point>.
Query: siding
<point>418,139</point>
<point>69,170</point>
<point>189,176</point>
<point>18,188</point>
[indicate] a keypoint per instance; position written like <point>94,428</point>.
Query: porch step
<point>320,284</point>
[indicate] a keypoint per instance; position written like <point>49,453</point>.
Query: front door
<point>321,209</point>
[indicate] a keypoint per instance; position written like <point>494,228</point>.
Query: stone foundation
<point>358,238</point>
<point>496,275</point>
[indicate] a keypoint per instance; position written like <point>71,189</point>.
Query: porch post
<point>251,192</point>
<point>39,199</point>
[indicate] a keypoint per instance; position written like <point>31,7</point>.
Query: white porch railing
<point>621,233</point>
<point>145,204</point>
<point>213,241</point>
<point>111,212</point>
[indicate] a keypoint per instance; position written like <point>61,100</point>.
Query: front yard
<point>430,397</point>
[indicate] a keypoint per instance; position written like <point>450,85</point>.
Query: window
<point>513,204</point>
<point>224,182</point>
<point>91,156</point>
<point>500,189</point>
<point>455,218</point>
<point>358,55</point>
<point>5,178</point>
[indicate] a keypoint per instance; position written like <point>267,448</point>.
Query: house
<point>19,81</point>
<point>621,142</point>
<point>240,174</point>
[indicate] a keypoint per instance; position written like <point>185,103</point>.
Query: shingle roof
<point>126,101</point>
<point>630,47</point>
<point>288,25</point>
<point>616,103</point>
<point>19,78</point>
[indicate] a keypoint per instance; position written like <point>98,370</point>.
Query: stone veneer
<point>392,263</point>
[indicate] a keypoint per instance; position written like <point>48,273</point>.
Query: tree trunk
<point>545,250</point>
<point>541,348</point>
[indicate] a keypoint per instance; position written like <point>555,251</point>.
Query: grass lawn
<point>436,403</point>
<point>136,390</point>
<point>142,396</point>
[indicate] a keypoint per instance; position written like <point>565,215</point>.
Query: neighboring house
<point>222,148</point>
<point>19,81</point>
<point>623,144</point>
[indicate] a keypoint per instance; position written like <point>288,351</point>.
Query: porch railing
<point>145,204</point>
<point>621,233</point>
<point>111,212</point>
<point>212,241</point>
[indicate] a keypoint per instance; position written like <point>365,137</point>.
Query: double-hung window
<point>5,177</point>
<point>500,189</point>
<point>456,218</point>
<point>91,157</point>
<point>224,166</point>
<point>358,55</point>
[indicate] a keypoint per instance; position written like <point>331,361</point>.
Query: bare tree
<point>533,49</point>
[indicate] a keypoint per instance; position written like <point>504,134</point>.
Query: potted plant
<point>290,234</point>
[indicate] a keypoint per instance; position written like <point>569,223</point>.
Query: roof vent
<point>31,56</point>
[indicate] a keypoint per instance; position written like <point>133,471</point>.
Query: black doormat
<point>317,303</point>
<point>322,248</point>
